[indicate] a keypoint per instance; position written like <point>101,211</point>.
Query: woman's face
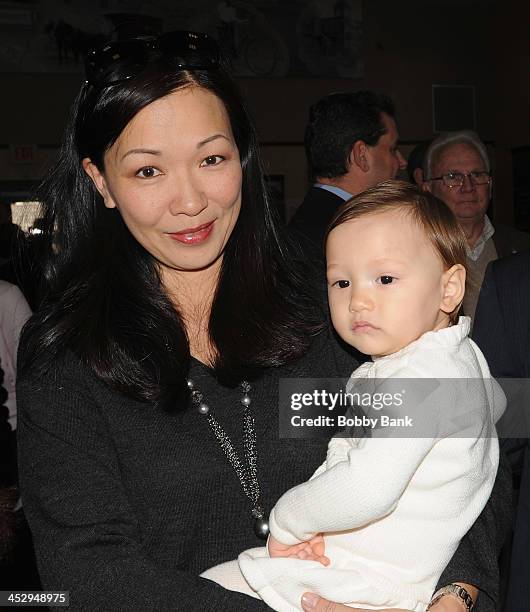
<point>175,176</point>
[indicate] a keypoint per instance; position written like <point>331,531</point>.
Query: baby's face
<point>385,282</point>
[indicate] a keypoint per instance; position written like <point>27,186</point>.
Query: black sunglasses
<point>121,60</point>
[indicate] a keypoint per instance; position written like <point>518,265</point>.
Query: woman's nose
<point>188,197</point>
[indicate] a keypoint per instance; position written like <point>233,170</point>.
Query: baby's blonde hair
<point>434,217</point>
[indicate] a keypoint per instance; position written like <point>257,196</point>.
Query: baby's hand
<point>312,550</point>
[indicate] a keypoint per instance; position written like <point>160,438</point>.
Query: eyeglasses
<point>122,60</point>
<point>456,179</point>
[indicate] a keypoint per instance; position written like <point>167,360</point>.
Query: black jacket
<point>502,330</point>
<point>314,214</point>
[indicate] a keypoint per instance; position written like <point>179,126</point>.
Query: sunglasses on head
<point>122,60</point>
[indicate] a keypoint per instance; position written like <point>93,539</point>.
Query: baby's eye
<point>342,284</point>
<point>147,172</point>
<point>212,160</point>
<point>386,279</point>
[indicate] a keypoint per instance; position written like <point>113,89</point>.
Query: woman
<point>165,273</point>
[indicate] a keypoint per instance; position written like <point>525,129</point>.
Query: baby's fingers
<point>324,560</point>
<point>302,554</point>
<point>318,545</point>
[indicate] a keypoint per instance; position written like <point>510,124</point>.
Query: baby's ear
<point>453,288</point>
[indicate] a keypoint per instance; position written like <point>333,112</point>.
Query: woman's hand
<point>314,603</point>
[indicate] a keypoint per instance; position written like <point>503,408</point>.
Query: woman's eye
<point>342,284</point>
<point>212,160</point>
<point>386,280</point>
<point>148,172</point>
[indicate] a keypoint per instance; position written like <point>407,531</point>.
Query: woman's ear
<point>453,288</point>
<point>99,182</point>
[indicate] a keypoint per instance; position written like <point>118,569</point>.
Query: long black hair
<point>104,300</point>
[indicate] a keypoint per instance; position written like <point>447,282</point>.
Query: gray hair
<point>450,138</point>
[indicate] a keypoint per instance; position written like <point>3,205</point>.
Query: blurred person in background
<point>17,565</point>
<point>351,144</point>
<point>415,161</point>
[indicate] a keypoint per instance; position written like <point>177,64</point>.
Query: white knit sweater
<point>401,505</point>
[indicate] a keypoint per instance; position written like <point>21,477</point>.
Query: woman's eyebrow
<point>142,151</point>
<point>210,138</point>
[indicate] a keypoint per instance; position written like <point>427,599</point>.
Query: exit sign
<point>23,154</point>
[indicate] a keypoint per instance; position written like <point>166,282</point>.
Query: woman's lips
<point>193,235</point>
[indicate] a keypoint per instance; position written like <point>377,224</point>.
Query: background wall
<point>511,94</point>
<point>408,46</point>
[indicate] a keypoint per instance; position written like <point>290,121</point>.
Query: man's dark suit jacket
<point>314,214</point>
<point>502,330</point>
<point>508,241</point>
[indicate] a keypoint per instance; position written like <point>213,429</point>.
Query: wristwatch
<point>456,591</point>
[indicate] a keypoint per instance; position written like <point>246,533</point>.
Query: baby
<point>392,509</point>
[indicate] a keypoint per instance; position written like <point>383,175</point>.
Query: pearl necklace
<point>247,471</point>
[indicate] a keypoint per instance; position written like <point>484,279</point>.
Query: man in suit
<point>502,330</point>
<point>457,170</point>
<point>351,145</point>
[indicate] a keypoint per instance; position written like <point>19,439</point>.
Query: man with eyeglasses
<point>457,170</point>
